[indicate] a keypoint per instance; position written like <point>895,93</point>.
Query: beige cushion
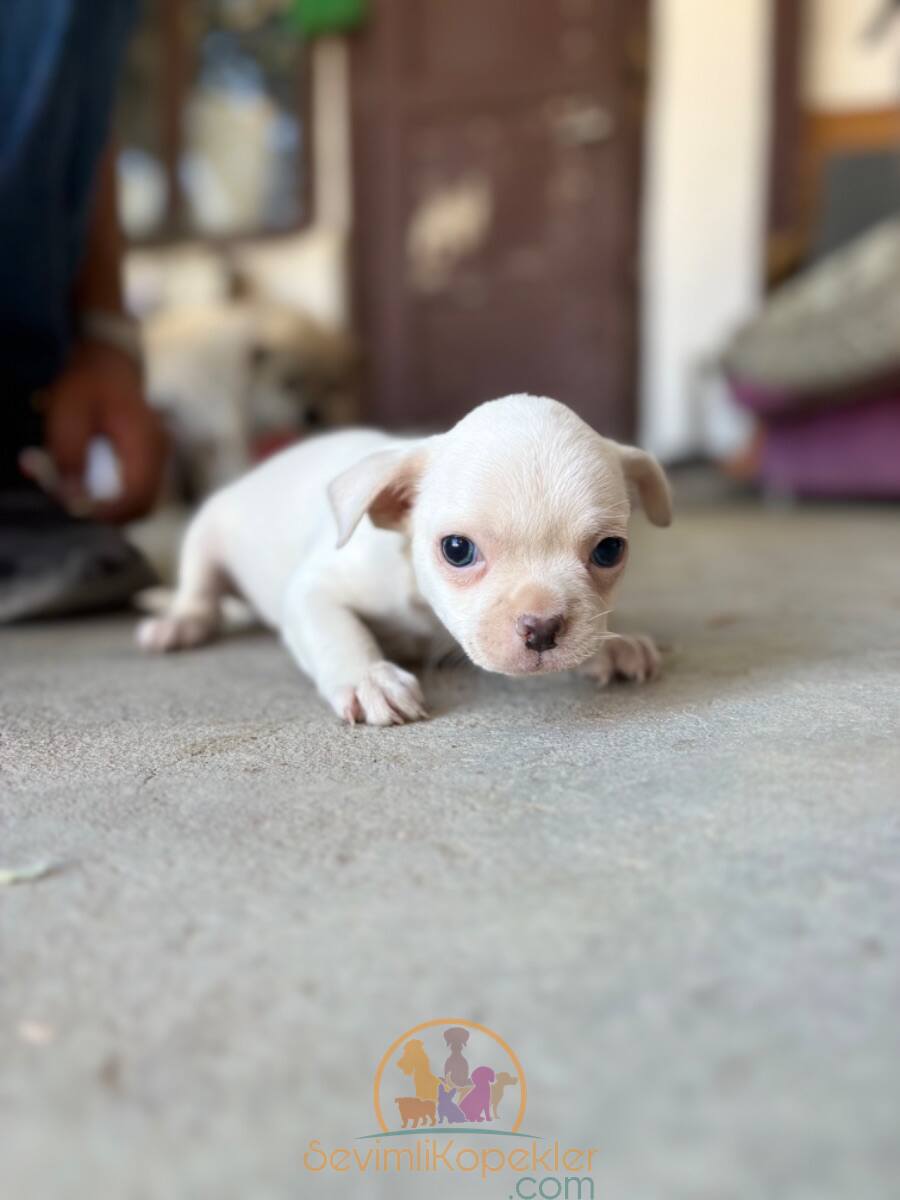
<point>834,328</point>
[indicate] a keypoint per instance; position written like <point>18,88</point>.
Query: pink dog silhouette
<point>477,1105</point>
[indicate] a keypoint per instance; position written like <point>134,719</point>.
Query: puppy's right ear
<point>384,485</point>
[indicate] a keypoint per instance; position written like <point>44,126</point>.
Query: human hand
<point>99,394</point>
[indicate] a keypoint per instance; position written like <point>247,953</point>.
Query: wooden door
<point>497,167</point>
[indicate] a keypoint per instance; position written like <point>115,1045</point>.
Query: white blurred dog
<point>509,532</point>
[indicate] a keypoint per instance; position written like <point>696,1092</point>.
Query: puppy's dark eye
<point>608,552</point>
<point>459,551</point>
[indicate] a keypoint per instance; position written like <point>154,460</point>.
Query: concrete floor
<point>680,904</point>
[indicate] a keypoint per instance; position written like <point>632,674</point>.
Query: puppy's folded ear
<point>646,476</point>
<point>383,485</point>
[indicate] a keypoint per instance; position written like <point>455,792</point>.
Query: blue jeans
<point>59,63</point>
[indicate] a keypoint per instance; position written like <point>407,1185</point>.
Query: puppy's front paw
<point>624,656</point>
<point>175,633</point>
<point>386,695</point>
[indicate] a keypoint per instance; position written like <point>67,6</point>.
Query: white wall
<point>843,69</point>
<point>704,211</point>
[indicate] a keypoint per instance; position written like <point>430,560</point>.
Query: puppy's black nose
<point>539,633</point>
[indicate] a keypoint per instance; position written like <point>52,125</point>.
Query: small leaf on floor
<point>28,874</point>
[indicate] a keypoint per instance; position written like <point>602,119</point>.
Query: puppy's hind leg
<point>194,616</point>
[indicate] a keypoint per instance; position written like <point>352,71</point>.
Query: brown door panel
<point>449,44</point>
<point>497,153</point>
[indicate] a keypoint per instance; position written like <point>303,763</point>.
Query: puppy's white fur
<point>337,543</point>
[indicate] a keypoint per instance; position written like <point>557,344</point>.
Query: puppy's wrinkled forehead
<point>522,464</point>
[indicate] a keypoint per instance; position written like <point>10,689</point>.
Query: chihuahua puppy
<point>508,533</point>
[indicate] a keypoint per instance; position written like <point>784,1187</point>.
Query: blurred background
<point>679,217</point>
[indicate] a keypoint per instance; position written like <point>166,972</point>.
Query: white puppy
<point>508,532</point>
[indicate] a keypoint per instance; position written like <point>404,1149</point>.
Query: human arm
<point>100,391</point>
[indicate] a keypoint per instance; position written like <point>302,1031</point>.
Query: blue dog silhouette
<point>448,1110</point>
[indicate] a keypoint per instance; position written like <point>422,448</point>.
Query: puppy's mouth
<point>538,663</point>
<point>529,662</point>
<point>544,662</point>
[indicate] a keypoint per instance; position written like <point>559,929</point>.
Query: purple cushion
<point>845,450</point>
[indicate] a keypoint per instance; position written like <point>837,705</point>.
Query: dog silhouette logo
<point>449,1097</point>
<point>456,1069</point>
<point>411,1093</point>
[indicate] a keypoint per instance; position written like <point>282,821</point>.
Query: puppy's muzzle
<point>539,633</point>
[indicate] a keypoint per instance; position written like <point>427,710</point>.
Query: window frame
<point>177,76</point>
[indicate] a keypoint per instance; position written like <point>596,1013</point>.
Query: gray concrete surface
<point>680,904</point>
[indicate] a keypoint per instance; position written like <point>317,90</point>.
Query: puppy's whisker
<point>597,619</point>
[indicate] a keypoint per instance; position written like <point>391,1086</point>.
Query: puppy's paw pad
<point>161,634</point>
<point>626,656</point>
<point>386,695</point>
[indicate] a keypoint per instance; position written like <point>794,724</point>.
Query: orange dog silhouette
<point>414,1062</point>
<point>498,1087</point>
<point>412,1109</point>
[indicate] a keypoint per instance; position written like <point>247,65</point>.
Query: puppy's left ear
<point>384,485</point>
<point>646,476</point>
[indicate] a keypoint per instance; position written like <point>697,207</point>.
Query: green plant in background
<point>312,18</point>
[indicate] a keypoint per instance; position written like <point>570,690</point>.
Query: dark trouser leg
<point>20,426</point>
